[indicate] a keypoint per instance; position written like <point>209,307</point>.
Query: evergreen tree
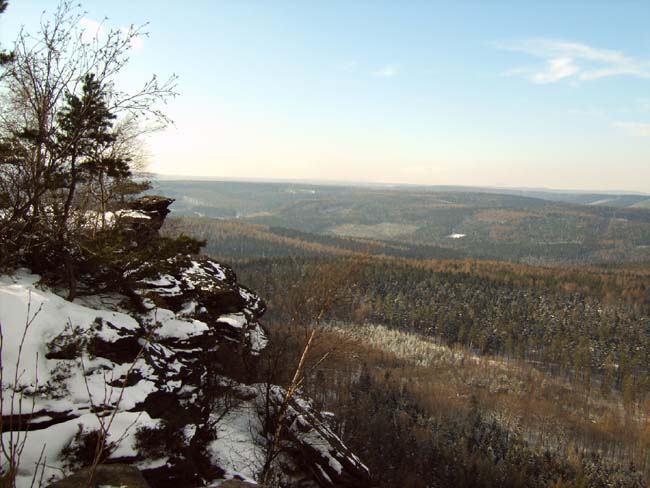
<point>84,136</point>
<point>66,137</point>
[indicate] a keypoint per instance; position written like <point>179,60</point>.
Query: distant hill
<point>536,226</point>
<point>579,198</point>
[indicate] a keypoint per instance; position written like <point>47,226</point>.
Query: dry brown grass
<point>547,411</point>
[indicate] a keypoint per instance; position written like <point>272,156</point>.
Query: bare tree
<point>308,307</point>
<point>65,124</point>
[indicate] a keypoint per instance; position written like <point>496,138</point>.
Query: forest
<point>529,227</point>
<point>478,373</point>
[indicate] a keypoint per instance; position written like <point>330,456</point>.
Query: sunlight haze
<point>535,94</point>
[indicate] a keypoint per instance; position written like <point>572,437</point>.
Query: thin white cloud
<point>556,69</point>
<point>637,129</point>
<point>572,61</point>
<point>91,30</point>
<point>582,112</point>
<point>388,71</point>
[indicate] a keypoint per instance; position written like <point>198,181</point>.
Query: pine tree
<point>67,136</point>
<point>84,136</point>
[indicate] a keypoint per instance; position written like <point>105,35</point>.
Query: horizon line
<point>356,183</point>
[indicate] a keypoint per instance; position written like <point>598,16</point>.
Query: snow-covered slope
<point>164,381</point>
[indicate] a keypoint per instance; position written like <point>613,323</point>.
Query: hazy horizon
<point>489,95</point>
<point>361,183</point>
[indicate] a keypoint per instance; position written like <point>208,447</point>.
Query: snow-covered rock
<point>164,379</point>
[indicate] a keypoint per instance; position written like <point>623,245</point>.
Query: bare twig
<point>329,291</point>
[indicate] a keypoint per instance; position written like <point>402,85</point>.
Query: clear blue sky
<point>553,94</point>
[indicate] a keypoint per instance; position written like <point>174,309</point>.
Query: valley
<point>479,372</point>
<point>471,223</point>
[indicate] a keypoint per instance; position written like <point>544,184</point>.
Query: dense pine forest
<point>476,373</point>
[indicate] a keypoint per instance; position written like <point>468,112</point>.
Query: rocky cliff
<point>157,377</point>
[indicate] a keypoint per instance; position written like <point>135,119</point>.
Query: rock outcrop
<point>154,208</point>
<point>167,382</point>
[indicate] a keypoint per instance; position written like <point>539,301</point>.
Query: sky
<point>551,93</point>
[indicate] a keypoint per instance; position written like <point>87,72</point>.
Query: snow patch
<point>235,448</point>
<point>257,338</point>
<point>168,325</point>
<point>55,438</point>
<point>236,320</point>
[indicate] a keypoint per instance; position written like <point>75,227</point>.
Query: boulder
<point>154,206</point>
<point>146,215</point>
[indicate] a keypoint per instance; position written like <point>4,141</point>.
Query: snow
<point>168,325</point>
<point>235,449</point>
<point>65,391</point>
<point>198,271</point>
<point>189,309</point>
<point>132,214</point>
<point>36,384</point>
<point>165,285</point>
<point>257,338</point>
<point>207,275</point>
<point>237,320</point>
<point>164,281</point>
<point>95,219</point>
<point>53,439</point>
<point>247,295</point>
<point>316,440</point>
<point>152,463</point>
<point>604,201</point>
<point>101,393</point>
<point>48,315</point>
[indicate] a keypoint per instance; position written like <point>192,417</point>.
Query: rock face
<point>168,382</point>
<point>146,215</point>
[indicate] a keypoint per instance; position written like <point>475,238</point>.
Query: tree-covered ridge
<point>237,240</point>
<point>452,418</point>
<point>463,380</point>
<point>581,334</point>
<point>240,241</point>
<point>482,225</point>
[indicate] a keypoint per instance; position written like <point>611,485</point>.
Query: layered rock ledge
<point>164,384</point>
